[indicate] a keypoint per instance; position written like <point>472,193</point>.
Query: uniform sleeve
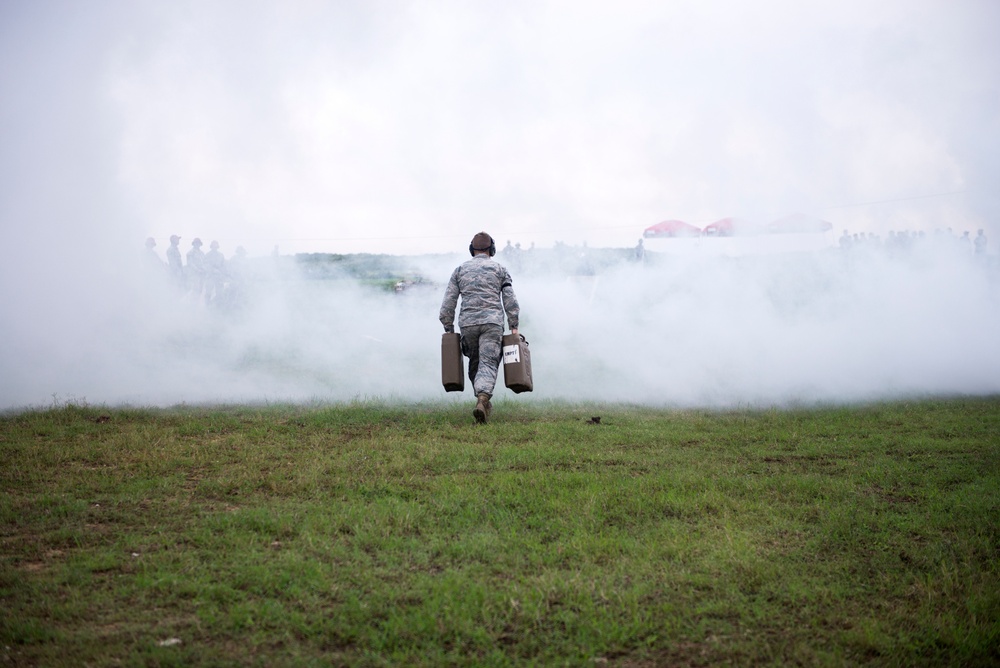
<point>510,304</point>
<point>450,303</point>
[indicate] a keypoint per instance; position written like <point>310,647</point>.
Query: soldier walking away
<point>174,265</point>
<point>486,291</point>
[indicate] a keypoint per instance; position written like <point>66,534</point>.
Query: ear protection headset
<point>492,248</point>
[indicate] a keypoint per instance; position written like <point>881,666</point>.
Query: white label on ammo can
<point>511,354</point>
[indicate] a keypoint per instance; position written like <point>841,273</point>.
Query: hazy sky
<point>407,126</point>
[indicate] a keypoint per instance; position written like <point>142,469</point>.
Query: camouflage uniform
<point>196,268</point>
<point>215,271</point>
<point>174,264</point>
<point>485,288</point>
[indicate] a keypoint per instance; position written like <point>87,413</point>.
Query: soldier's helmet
<point>214,245</point>
<point>174,238</point>
<point>196,242</point>
<point>150,242</point>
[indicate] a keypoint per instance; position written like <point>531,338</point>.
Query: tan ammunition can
<point>517,363</point>
<point>452,364</point>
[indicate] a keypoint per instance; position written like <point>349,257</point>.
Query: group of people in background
<point>212,279</point>
<point>512,254</point>
<point>906,240</point>
<point>198,276</point>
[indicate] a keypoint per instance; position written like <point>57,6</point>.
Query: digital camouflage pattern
<point>487,294</point>
<point>486,290</point>
<point>483,345</point>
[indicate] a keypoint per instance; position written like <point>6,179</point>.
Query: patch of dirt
<point>681,655</point>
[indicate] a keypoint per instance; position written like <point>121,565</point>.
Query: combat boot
<point>482,410</point>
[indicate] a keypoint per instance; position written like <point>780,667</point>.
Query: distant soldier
<point>486,292</point>
<point>195,268</point>
<point>512,256</point>
<point>215,273</point>
<point>640,252</point>
<point>237,265</point>
<point>516,261</point>
<point>236,270</point>
<point>153,260</point>
<point>175,268</point>
<point>980,243</point>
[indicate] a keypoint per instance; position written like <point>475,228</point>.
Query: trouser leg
<point>483,345</point>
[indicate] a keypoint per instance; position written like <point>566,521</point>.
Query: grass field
<point>374,534</point>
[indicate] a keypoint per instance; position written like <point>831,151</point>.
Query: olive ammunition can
<point>452,365</point>
<point>517,363</point>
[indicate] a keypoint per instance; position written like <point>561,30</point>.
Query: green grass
<point>378,534</point>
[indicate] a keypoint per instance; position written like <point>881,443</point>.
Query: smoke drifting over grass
<point>829,326</point>
<point>682,329</point>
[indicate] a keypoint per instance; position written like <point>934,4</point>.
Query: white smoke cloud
<point>773,329</point>
<point>689,328</point>
<point>406,127</point>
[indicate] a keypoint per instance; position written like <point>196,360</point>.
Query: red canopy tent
<point>798,222</point>
<point>671,228</point>
<point>727,227</point>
